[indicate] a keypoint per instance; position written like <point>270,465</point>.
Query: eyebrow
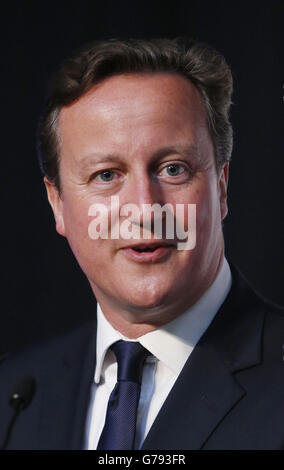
<point>99,158</point>
<point>186,150</point>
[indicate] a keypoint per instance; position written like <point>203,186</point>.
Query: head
<point>146,121</point>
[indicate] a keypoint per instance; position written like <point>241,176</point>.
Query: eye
<point>173,169</point>
<point>104,175</point>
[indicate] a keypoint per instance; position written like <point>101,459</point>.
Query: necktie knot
<point>130,357</point>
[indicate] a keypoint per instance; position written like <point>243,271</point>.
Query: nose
<point>142,189</point>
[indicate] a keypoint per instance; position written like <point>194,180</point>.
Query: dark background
<point>43,289</point>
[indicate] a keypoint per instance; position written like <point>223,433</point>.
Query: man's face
<point>144,139</point>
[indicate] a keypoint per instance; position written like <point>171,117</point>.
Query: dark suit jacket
<point>229,395</point>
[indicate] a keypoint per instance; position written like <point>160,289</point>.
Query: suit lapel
<point>65,398</point>
<point>206,390</point>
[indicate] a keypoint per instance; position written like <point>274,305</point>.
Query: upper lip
<point>151,244</point>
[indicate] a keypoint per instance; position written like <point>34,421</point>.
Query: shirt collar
<point>172,343</point>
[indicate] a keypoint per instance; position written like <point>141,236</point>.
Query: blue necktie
<point>120,424</point>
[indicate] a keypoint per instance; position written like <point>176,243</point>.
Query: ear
<point>57,205</point>
<point>222,188</point>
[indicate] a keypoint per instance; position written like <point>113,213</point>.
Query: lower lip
<point>148,256</point>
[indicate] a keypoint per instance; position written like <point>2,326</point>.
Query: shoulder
<point>62,368</point>
<point>273,334</point>
<point>49,353</point>
<point>256,306</point>
<point>246,290</point>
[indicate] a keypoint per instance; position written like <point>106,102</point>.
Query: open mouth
<point>148,253</point>
<point>145,248</point>
<point>141,249</point>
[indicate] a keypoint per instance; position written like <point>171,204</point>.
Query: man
<point>146,122</point>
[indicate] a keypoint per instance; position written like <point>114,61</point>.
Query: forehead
<point>127,90</point>
<point>133,110</point>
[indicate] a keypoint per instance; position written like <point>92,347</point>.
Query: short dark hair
<point>201,64</point>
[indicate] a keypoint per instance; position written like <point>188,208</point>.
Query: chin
<point>147,298</point>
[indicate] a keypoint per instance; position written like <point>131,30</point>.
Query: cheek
<point>207,210</point>
<point>88,251</point>
<point>76,221</point>
<point>208,219</point>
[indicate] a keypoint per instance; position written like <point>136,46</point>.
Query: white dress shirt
<point>170,346</point>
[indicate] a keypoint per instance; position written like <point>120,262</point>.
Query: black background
<point>43,288</point>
